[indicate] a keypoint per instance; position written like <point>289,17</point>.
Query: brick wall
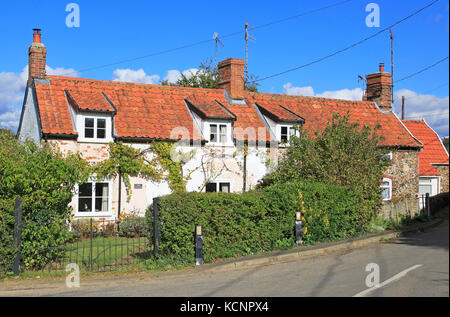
<point>444,172</point>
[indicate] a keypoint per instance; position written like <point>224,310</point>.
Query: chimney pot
<point>36,58</point>
<point>381,67</point>
<point>37,36</point>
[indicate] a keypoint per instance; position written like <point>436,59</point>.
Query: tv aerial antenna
<point>218,41</point>
<point>247,37</point>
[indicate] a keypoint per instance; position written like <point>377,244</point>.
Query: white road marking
<point>392,279</point>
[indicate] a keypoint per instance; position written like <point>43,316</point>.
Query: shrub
<point>255,221</point>
<point>82,228</point>
<point>44,178</point>
<point>343,154</point>
<point>133,227</point>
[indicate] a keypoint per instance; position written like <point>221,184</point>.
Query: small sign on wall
<point>137,186</point>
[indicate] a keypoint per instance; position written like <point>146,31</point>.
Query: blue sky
<point>112,31</point>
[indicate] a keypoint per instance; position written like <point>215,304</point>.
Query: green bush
<point>44,179</point>
<point>133,227</point>
<point>255,221</point>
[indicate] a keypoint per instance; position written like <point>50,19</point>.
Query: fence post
<point>156,235</point>
<point>90,251</point>
<point>427,204</point>
<point>198,245</point>
<point>17,234</point>
<point>298,228</point>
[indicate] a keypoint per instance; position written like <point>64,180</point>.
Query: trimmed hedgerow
<point>255,221</point>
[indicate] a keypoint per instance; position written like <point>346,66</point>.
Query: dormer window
<point>94,128</point>
<point>286,133</point>
<point>218,133</point>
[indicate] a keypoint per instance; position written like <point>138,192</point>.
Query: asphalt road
<point>414,265</point>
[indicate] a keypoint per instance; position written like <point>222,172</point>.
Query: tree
<point>343,154</point>
<point>207,76</point>
<point>44,179</point>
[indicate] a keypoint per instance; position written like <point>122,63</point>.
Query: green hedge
<point>255,221</point>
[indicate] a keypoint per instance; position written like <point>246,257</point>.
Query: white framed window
<point>386,189</point>
<point>388,156</point>
<point>214,187</point>
<point>94,128</point>
<point>219,133</point>
<point>93,199</point>
<point>286,132</point>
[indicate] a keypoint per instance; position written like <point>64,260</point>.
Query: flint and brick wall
<point>404,172</point>
<point>444,172</point>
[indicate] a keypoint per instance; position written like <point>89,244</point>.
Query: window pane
<point>213,134</point>
<point>85,190</point>
<point>385,193</point>
<point>223,134</point>
<point>224,187</point>
<point>88,133</point>
<point>85,197</point>
<point>291,131</point>
<point>284,134</point>
<point>101,123</point>
<point>89,122</point>
<point>211,187</point>
<point>101,133</point>
<point>84,204</point>
<point>101,196</point>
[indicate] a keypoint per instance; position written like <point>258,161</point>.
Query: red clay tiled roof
<point>88,99</point>
<point>433,150</point>
<point>317,112</point>
<point>153,111</point>
<point>208,108</point>
<point>278,113</point>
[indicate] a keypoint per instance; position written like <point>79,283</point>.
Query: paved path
<point>414,265</point>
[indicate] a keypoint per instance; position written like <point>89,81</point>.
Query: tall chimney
<point>379,88</point>
<point>231,77</point>
<point>36,58</point>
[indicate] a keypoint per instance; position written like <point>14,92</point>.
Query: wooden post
<point>156,235</point>
<point>90,253</point>
<point>17,233</point>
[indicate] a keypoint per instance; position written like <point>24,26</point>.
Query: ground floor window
<point>428,185</point>
<point>386,189</point>
<point>94,197</point>
<point>224,187</point>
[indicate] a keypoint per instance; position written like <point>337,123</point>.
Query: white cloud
<point>173,75</point>
<point>298,91</point>
<point>12,90</point>
<point>134,76</point>
<point>429,107</point>
<point>347,94</point>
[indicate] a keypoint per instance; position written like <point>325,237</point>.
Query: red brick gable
<point>433,150</point>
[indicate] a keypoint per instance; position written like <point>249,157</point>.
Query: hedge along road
<point>413,265</point>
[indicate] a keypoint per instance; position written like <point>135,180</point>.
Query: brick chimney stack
<point>36,58</point>
<point>379,89</point>
<point>231,77</point>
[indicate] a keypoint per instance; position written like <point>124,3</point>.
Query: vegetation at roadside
<point>44,178</point>
<point>254,222</point>
<point>343,154</point>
